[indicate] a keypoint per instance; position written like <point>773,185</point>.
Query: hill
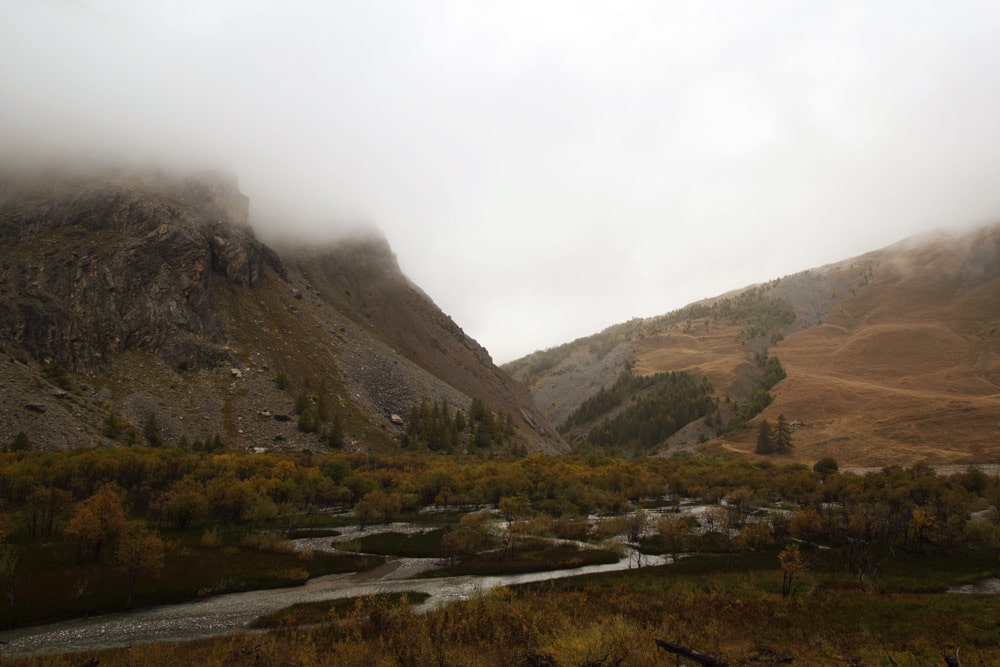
<point>144,301</point>
<point>890,358</point>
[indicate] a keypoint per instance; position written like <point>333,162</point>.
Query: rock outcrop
<point>153,292</point>
<point>110,266</point>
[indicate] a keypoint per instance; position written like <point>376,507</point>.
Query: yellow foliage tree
<point>793,566</point>
<point>97,520</point>
<point>138,549</point>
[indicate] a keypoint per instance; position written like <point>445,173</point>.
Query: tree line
<point>436,427</point>
<point>649,409</point>
<point>775,439</point>
<point>121,501</point>
<point>771,373</point>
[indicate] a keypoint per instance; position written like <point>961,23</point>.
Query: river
<point>231,613</point>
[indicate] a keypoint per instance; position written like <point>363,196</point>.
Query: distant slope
<point>891,357</point>
<point>906,366</point>
<point>126,295</point>
<point>722,340</point>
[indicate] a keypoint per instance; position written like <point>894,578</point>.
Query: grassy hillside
<point>891,357</point>
<point>906,367</point>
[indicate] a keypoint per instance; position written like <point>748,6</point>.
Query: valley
<point>229,452</point>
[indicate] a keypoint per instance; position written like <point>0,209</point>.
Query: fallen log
<point>700,658</point>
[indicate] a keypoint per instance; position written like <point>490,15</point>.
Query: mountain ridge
<point>125,295</point>
<point>855,329</point>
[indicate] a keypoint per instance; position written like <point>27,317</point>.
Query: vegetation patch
<point>771,374</point>
<point>780,554</point>
<point>436,427</point>
<point>52,585</point>
<point>425,544</point>
<point>312,613</point>
<point>731,613</point>
<point>647,409</point>
<point>529,556</point>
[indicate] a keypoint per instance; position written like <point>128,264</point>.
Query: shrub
<point>281,381</point>
<point>211,538</point>
<point>20,443</point>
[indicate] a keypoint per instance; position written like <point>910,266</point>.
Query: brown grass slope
<point>892,357</point>
<point>905,367</point>
<point>147,294</point>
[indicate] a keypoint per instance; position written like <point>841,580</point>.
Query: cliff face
<point>104,267</point>
<point>150,295</point>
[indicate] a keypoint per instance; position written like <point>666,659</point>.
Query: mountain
<point>888,358</point>
<point>135,302</point>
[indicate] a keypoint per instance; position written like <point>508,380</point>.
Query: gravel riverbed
<point>233,612</point>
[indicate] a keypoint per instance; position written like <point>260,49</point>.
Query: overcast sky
<point>541,169</point>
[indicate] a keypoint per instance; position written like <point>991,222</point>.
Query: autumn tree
<point>514,509</point>
<point>740,504</point>
<point>41,508</point>
<point>922,522</point>
<point>793,567</point>
<point>471,535</point>
<point>183,503</point>
<point>807,524</point>
<point>675,532</point>
<point>755,534</point>
<point>84,528</point>
<point>377,505</point>
<point>229,498</point>
<point>638,521</point>
<point>97,520</point>
<point>10,565</point>
<point>10,570</point>
<point>139,549</point>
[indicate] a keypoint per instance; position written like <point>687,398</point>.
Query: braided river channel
<point>226,614</point>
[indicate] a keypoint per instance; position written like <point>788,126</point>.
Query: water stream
<point>230,613</point>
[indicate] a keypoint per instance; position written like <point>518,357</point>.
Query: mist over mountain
<point>136,297</point>
<point>569,163</point>
<point>130,295</point>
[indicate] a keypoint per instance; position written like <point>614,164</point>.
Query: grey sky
<point>541,169</point>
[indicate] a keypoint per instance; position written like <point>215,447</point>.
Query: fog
<point>541,169</point>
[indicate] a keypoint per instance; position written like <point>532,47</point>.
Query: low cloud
<point>542,170</point>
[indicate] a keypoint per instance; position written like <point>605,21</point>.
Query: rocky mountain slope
<point>127,296</point>
<point>891,357</point>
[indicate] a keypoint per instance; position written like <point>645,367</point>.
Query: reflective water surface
<point>231,613</point>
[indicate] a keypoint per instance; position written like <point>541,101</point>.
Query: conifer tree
<point>335,435</point>
<point>151,431</point>
<point>765,438</point>
<point>783,436</point>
